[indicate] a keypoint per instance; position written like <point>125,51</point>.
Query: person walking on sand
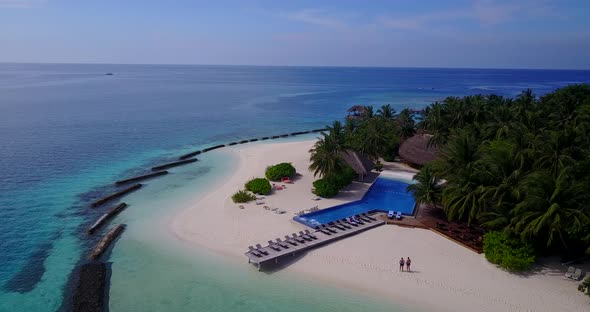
<point>401,264</point>
<point>408,262</point>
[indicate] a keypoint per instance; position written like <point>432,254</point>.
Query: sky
<point>551,34</point>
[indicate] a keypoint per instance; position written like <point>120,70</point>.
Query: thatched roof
<point>359,162</point>
<point>356,108</point>
<point>415,150</point>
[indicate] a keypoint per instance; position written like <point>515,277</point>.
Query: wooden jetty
<point>111,213</point>
<point>271,253</point>
<point>189,155</point>
<point>174,164</point>
<point>116,194</point>
<point>214,147</point>
<point>91,289</point>
<point>142,177</point>
<point>106,241</point>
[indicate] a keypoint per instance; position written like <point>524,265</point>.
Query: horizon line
<point>302,66</point>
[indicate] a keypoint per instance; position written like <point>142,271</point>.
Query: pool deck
<point>273,256</point>
<point>432,218</point>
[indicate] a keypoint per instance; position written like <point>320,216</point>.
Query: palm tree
<point>368,113</point>
<point>386,112</point>
<point>406,123</point>
<point>427,189</point>
<point>551,208</point>
<point>325,158</point>
<point>335,134</point>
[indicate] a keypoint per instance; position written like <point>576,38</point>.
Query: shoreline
<point>447,276</point>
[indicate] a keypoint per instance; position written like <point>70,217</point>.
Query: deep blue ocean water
<point>68,131</point>
<point>385,194</point>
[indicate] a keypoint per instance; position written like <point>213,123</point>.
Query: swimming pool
<point>386,193</point>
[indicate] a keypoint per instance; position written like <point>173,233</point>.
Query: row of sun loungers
<point>279,244</point>
<point>576,274</point>
<point>346,223</point>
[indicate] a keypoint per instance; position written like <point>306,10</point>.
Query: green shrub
<point>276,172</point>
<point>325,188</point>
<point>585,286</point>
<point>507,252</point>
<point>242,197</point>
<point>342,179</point>
<point>329,186</point>
<point>258,186</point>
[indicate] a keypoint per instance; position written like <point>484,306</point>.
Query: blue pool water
<point>385,194</point>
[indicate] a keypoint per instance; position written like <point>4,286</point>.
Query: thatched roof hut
<point>355,111</point>
<point>416,151</point>
<point>359,162</point>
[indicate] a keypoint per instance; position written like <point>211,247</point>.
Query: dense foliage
<point>507,252</point>
<point>242,197</point>
<point>520,166</point>
<point>259,186</point>
<point>372,134</point>
<point>278,171</point>
<point>331,185</point>
<point>585,286</point>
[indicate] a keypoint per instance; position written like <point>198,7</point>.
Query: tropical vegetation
<point>259,186</point>
<point>331,185</point>
<point>513,255</point>
<point>242,197</point>
<point>279,171</point>
<point>518,166</point>
<point>374,134</point>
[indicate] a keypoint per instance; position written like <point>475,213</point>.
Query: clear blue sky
<point>422,33</point>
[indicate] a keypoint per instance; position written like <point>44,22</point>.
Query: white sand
<point>446,277</point>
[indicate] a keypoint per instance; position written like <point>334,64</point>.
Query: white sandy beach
<point>446,277</point>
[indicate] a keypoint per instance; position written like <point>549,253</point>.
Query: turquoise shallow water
<point>68,131</point>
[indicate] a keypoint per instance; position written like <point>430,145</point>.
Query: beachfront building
<point>416,152</point>
<point>355,112</point>
<point>359,163</point>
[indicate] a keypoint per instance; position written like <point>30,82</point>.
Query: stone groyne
<point>116,194</point>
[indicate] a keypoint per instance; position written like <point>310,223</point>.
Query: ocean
<point>68,131</point>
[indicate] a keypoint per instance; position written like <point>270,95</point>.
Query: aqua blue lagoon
<point>68,131</point>
<point>384,195</point>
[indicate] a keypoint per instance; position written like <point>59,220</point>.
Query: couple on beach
<point>406,262</point>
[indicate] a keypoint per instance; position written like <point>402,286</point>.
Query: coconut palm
<point>386,112</point>
<point>427,189</point>
<point>325,158</point>
<point>551,208</point>
<point>368,113</point>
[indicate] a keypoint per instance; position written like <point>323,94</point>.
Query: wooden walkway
<point>271,254</point>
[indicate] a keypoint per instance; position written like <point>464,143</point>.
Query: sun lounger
<point>398,216</point>
<point>570,272</point>
<point>334,225</point>
<point>259,202</point>
<point>259,247</point>
<point>343,224</point>
<point>324,231</point>
<point>254,251</point>
<point>328,229</point>
<point>274,246</point>
<point>390,214</point>
<point>366,215</point>
<point>577,275</point>
<point>357,220</point>
<point>305,236</point>
<point>282,244</point>
<point>286,180</point>
<point>310,234</point>
<point>290,241</point>
<point>363,219</point>
<point>297,238</point>
<point>351,221</point>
